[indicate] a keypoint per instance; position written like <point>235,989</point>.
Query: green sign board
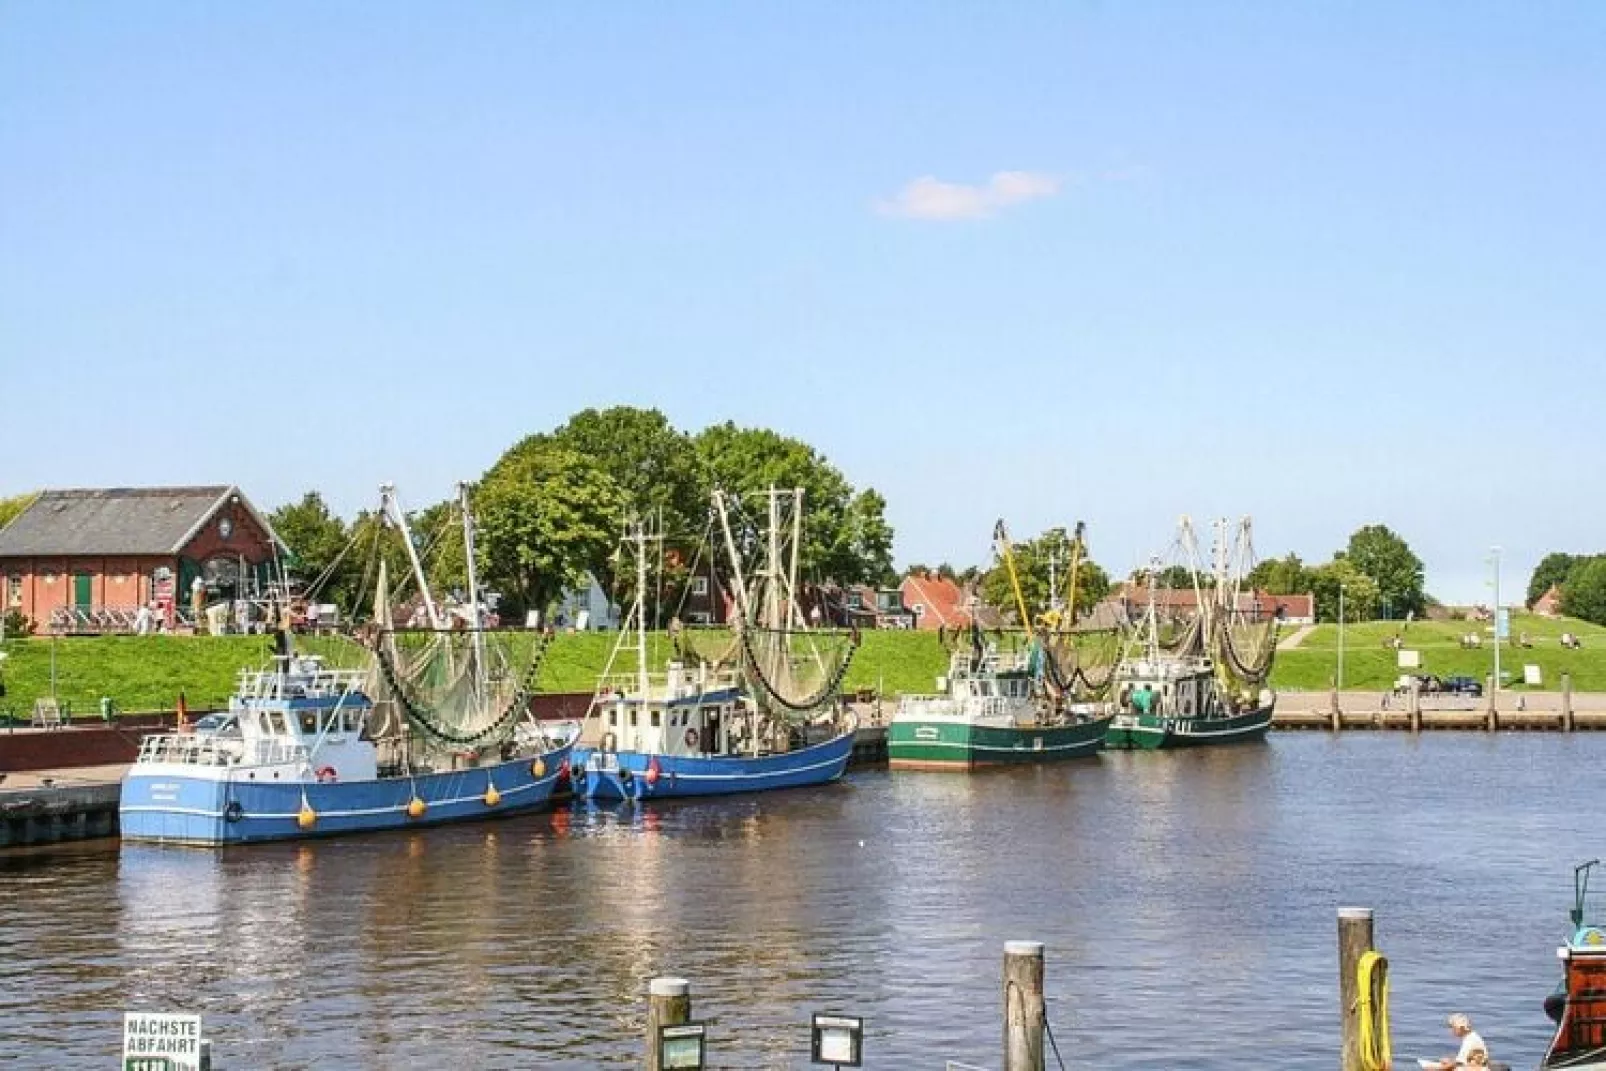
<point>148,1063</point>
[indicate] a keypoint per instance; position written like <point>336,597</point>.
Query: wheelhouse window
<point>309,722</point>
<point>657,718</point>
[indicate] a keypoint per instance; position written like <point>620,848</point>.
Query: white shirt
<point>1470,1044</point>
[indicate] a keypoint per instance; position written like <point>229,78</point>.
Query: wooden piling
<point>668,1004</point>
<point>1337,714</point>
<point>1354,940</point>
<point>1416,705</point>
<point>1567,723</point>
<point>1024,1013</point>
<point>1492,719</point>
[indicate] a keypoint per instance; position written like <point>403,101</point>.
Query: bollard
<point>1337,716</point>
<point>206,1054</point>
<point>1354,939</point>
<point>1493,720</point>
<point>1567,725</point>
<point>668,1004</point>
<point>1416,705</point>
<point>1024,1014</point>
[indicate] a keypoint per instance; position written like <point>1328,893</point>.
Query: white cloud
<point>930,198</point>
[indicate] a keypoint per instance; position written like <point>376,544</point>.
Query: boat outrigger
<point>755,709</point>
<point>307,749</point>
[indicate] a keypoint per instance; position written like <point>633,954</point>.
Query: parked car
<point>1426,684</point>
<point>1463,686</point>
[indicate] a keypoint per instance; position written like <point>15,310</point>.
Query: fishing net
<point>796,672</point>
<point>458,688</point>
<point>1084,663</point>
<point>1248,647</point>
<point>715,648</point>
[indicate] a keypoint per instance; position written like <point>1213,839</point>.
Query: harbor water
<point>1187,900</point>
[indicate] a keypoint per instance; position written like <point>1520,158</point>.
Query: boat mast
<point>736,560</point>
<point>477,636</point>
<point>794,611</point>
<point>391,507</point>
<point>1153,615</point>
<point>639,537</point>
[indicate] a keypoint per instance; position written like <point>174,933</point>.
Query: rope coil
<point>1372,999</point>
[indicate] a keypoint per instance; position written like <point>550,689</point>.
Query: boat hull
<point>170,805</point>
<point>1150,732</point>
<point>953,744</point>
<point>635,775</point>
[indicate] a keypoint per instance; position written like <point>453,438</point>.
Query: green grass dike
<point>1370,664</point>
<point>143,673</point>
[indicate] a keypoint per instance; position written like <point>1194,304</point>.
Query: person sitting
<point>1473,1052</point>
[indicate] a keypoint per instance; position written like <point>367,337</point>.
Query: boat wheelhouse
<point>1578,1007</point>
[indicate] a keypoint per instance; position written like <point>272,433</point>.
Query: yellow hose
<point>1372,998</point>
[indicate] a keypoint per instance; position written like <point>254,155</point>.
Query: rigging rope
<point>832,683</point>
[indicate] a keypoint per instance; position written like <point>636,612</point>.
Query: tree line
<point>1581,579</point>
<point>551,510</point>
<point>1377,572</point>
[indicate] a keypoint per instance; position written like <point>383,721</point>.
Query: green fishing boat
<point>991,711</point>
<point>1200,681</point>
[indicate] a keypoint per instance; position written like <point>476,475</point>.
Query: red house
<point>87,560</point>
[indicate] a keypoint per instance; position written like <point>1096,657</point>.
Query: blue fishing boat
<point>434,728</point>
<point>753,710</point>
<point>293,758</point>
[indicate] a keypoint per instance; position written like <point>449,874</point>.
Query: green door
<point>83,591</point>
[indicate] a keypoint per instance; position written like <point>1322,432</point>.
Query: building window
<point>888,601</point>
<point>918,609</point>
<point>855,600</point>
<point>699,585</point>
<point>697,619</point>
<point>13,590</point>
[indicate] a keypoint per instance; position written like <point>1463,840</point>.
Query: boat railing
<point>189,749</point>
<point>671,684</point>
<point>299,683</point>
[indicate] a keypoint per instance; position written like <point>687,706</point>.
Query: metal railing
<point>108,619</point>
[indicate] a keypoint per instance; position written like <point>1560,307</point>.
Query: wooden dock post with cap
<point>1567,723</point>
<point>1024,1013</point>
<point>668,1004</point>
<point>1354,941</point>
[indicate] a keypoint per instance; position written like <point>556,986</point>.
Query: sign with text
<point>158,1041</point>
<point>1409,659</point>
<point>1532,674</point>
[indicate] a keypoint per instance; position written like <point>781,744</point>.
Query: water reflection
<point>1182,896</point>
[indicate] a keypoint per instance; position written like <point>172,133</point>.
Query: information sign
<point>156,1041</point>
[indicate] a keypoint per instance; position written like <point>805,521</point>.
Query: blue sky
<point>1326,264</point>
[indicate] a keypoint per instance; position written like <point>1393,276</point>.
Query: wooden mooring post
<point>1024,1011</point>
<point>1416,705</point>
<point>1567,723</point>
<point>668,1004</point>
<point>1492,716</point>
<point>1354,940</point>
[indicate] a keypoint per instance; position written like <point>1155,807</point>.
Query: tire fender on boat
<point>233,812</point>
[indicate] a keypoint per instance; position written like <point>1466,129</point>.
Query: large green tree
<point>316,538</point>
<point>1394,569</point>
<point>1280,576</point>
<point>1583,594</point>
<point>1552,569</point>
<point>1032,566</point>
<point>845,534</point>
<point>1360,591</point>
<point>545,516</point>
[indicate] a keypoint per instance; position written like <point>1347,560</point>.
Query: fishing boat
<point>749,710</point>
<point>1206,682</point>
<point>1578,1006</point>
<point>997,707</point>
<point>432,729</point>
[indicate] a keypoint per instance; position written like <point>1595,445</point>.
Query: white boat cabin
<point>1178,687</point>
<point>300,721</point>
<point>682,712</point>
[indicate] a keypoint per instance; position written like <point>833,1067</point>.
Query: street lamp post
<point>1341,637</point>
<point>1495,555</point>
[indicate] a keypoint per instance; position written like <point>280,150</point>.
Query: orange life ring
<point>691,737</point>
<point>328,773</point>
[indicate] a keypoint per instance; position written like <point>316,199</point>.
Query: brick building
<point>87,560</point>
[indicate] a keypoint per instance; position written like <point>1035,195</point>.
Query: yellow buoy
<point>492,796</point>
<point>538,768</point>
<point>307,817</point>
<point>416,808</point>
